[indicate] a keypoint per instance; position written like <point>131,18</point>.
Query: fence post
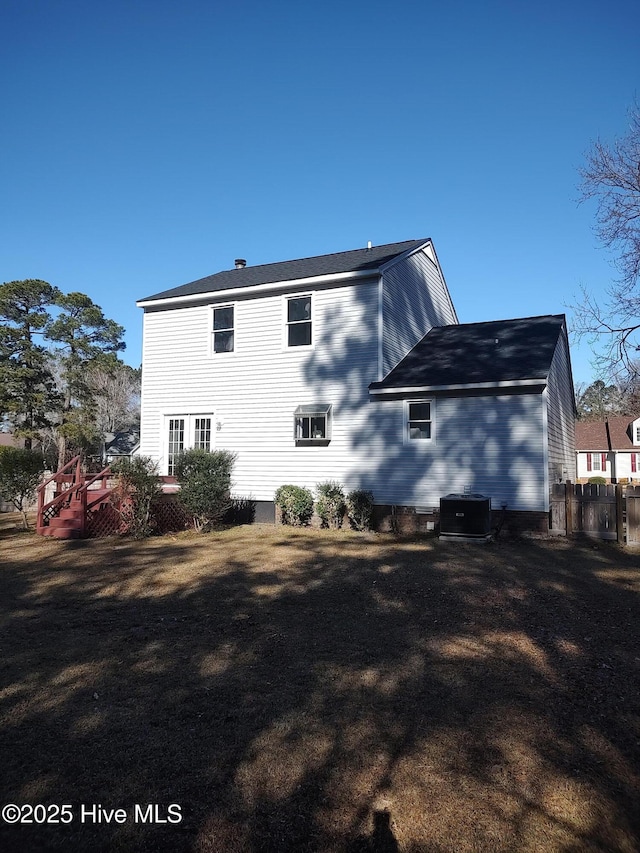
<point>619,514</point>
<point>568,506</point>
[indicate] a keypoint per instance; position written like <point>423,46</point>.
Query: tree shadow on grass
<point>310,691</point>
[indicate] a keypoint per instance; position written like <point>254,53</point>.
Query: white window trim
<point>189,433</point>
<point>285,321</point>
<point>419,442</point>
<point>211,332</point>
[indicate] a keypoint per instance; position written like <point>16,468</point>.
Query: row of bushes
<point>205,489</point>
<point>297,504</point>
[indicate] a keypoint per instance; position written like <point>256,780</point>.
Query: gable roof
<point>611,434</point>
<point>592,436</point>
<point>620,436</point>
<point>354,261</point>
<point>506,352</point>
<point>121,443</point>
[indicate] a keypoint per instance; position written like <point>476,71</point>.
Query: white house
<point>609,449</point>
<point>353,367</point>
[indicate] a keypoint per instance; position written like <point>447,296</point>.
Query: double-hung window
<point>299,321</point>
<point>312,424</point>
<point>419,420</point>
<point>223,329</point>
<point>596,461</point>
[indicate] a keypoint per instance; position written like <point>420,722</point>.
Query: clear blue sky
<point>147,143</point>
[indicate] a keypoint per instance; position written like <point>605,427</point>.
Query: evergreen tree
<point>27,387</point>
<point>84,336</point>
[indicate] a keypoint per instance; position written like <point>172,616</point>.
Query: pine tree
<point>27,385</point>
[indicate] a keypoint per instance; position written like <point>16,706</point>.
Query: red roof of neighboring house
<point>591,436</point>
<point>620,434</point>
<point>612,434</point>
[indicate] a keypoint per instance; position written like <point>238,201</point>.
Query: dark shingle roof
<point>476,353</point>
<point>357,260</point>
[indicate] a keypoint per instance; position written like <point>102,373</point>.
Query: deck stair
<point>75,498</point>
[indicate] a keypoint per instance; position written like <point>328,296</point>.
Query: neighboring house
<point>8,439</point>
<point>609,449</point>
<point>120,444</point>
<point>353,367</point>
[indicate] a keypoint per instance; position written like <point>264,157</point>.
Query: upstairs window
<point>419,420</point>
<point>299,321</point>
<point>312,424</point>
<point>223,329</point>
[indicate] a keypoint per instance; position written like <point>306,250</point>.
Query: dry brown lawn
<point>304,690</point>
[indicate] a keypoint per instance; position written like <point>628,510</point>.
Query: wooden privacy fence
<point>601,511</point>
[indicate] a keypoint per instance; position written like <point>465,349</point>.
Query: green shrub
<point>205,484</point>
<point>20,473</point>
<point>296,505</point>
<point>330,504</point>
<point>138,488</point>
<point>360,509</point>
<point>600,481</point>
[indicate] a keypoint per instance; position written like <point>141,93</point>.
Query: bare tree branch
<point>611,176</point>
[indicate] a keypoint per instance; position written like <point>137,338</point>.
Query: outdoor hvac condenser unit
<point>465,517</point>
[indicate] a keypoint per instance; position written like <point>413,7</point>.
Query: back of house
<point>353,367</point>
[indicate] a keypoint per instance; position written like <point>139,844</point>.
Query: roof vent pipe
<point>240,263</point>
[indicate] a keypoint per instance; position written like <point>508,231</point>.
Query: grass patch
<point>305,690</point>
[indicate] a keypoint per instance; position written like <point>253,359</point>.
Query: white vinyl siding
<point>585,462</point>
<point>561,417</point>
<point>255,394</point>
<point>414,300</point>
<point>624,467</point>
<point>488,445</point>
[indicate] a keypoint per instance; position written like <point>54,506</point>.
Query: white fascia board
<point>545,448</point>
<point>404,255</point>
<point>256,289</point>
<point>380,326</point>
<point>419,389</point>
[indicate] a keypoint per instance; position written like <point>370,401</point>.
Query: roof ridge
<point>504,320</point>
<point>369,261</point>
<point>324,255</point>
